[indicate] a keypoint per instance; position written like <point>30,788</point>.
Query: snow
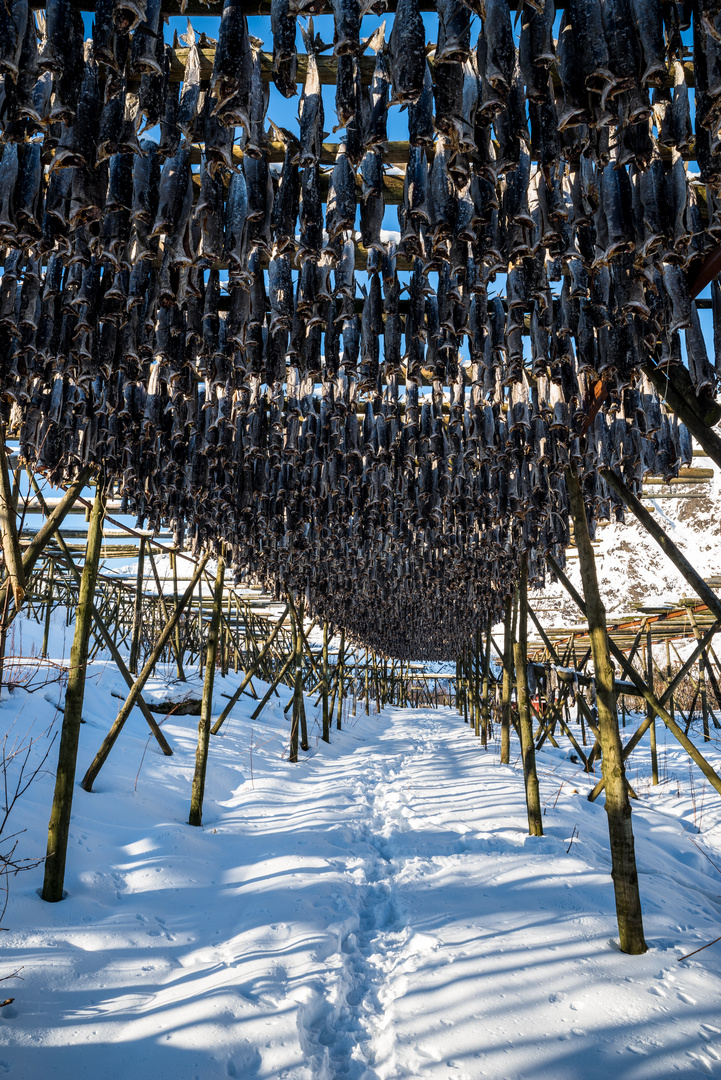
<point>631,566</point>
<point>376,911</point>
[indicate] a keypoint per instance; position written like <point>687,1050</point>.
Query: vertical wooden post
<point>704,696</point>
<point>297,686</point>
<point>200,626</point>
<point>355,683</point>
<point>59,825</point>
<point>341,665</point>
<point>8,529</point>
<point>649,711</point>
<point>368,700</point>
<point>618,807</point>
<point>669,676</point>
<point>206,705</point>
<point>326,719</point>
<point>525,722</point>
<point>486,705</point>
<point>49,607</point>
<point>137,609</point>
<point>137,687</point>
<point>475,668</point>
<point>178,652</point>
<point>300,612</point>
<point>507,682</point>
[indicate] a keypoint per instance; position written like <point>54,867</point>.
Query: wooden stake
<point>8,529</point>
<point>278,678</point>
<point>59,826</point>
<point>206,705</point>
<point>507,682</point>
<point>367,688</point>
<point>108,640</point>
<point>49,607</point>
<point>137,609</point>
<point>127,707</point>
<point>178,648</point>
<point>250,673</point>
<point>649,711</point>
<point>485,706</point>
<point>618,807</point>
<point>326,722</point>
<point>298,686</point>
<point>528,749</point>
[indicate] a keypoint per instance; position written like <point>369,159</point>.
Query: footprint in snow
<point>245,1061</point>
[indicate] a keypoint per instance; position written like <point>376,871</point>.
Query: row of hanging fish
<point>387,491</point>
<point>392,449</point>
<point>614,66</point>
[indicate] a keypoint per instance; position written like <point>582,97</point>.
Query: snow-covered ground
<point>375,911</point>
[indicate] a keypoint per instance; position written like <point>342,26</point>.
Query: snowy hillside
<point>631,566</point>
<point>377,911</point>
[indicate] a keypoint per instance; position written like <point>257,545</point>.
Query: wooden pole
<point>304,744</point>
<point>137,609</point>
<point>59,825</point>
<point>618,807</point>
<point>649,711</point>
<point>49,607</point>
<point>367,688</point>
<point>200,627</point>
<point>206,705</point>
<point>643,690</point>
<point>326,723</point>
<point>297,686</point>
<point>178,649</point>
<point>486,705</point>
<point>108,640</point>
<point>525,723</point>
<point>250,673</point>
<point>164,609</point>
<point>703,434</point>
<point>127,706</point>
<point>507,682</point>
<point>269,693</point>
<point>8,529</point>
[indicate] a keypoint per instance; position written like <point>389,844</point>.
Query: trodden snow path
<point>376,911</point>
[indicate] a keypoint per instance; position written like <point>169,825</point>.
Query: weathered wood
<point>8,530</point>
<point>643,690</point>
<point>268,645</point>
<point>166,616</point>
<point>111,646</point>
<point>206,708</point>
<point>618,808</point>
<point>45,533</point>
<point>49,607</point>
<point>326,721</point>
<point>278,679</point>
<point>649,711</point>
<point>127,707</point>
<point>525,724</point>
<point>508,622</point>
<point>685,410</point>
<point>485,702</point>
<point>59,825</point>
<point>137,609</point>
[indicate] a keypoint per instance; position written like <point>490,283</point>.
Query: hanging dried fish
<point>406,50</point>
<point>310,108</point>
